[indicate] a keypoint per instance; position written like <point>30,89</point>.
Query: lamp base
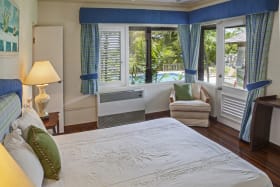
<point>42,100</point>
<point>45,117</point>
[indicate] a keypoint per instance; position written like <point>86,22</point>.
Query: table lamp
<point>41,74</point>
<point>11,174</point>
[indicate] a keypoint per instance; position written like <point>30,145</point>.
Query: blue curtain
<point>190,41</point>
<point>258,30</point>
<point>89,58</point>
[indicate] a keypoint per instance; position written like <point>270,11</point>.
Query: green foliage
<point>6,18</point>
<point>165,50</point>
<point>137,55</point>
<point>232,48</point>
<point>210,47</point>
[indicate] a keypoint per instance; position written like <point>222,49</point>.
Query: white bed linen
<point>158,153</point>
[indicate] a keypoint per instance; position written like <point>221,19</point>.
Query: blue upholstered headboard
<point>8,86</point>
<point>10,103</point>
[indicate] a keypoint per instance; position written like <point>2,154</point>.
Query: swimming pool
<point>159,77</point>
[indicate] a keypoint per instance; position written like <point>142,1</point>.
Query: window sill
<point>155,84</point>
<point>233,88</point>
<point>115,88</point>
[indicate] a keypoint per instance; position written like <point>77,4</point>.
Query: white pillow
<point>24,156</point>
<point>29,117</point>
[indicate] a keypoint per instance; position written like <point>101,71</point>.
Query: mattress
<point>157,153</point>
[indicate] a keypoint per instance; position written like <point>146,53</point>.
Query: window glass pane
<point>167,63</point>
<point>110,56</point>
<point>235,40</point>
<point>207,55</point>
<point>137,57</point>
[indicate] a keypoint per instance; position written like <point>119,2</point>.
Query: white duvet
<point>157,153</point>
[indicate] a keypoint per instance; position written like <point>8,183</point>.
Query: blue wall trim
<point>232,8</point>
<point>111,15</point>
<point>228,9</point>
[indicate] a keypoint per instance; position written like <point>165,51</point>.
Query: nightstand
<point>52,122</point>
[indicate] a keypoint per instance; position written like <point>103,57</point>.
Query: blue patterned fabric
<point>11,86</point>
<point>190,41</point>
<point>258,30</point>
<point>218,11</point>
<point>89,58</point>
<point>10,109</point>
<point>257,85</point>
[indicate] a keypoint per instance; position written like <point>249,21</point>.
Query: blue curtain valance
<point>232,8</point>
<point>223,10</point>
<point>113,15</point>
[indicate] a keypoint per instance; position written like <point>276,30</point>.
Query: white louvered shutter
<point>110,56</point>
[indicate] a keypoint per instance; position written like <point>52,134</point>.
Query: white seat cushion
<point>191,105</point>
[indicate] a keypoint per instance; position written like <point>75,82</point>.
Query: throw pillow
<point>25,157</point>
<point>46,150</point>
<point>183,91</point>
<point>29,116</point>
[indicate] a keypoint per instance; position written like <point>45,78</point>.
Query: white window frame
<point>127,57</point>
<point>104,86</point>
<point>220,53</point>
<point>124,83</point>
<point>220,48</point>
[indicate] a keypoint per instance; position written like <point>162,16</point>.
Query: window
<point>112,56</point>
<point>229,43</point>
<point>154,55</point>
<point>207,54</point>
<point>235,41</point>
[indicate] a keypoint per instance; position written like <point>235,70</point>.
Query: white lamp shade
<point>11,174</point>
<point>42,72</point>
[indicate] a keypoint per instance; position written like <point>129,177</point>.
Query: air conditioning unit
<point>120,108</point>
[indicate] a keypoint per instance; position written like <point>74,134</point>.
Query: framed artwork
<point>9,27</point>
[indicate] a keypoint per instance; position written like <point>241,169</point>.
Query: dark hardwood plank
<point>80,127</point>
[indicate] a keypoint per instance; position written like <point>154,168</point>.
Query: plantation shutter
<point>110,56</point>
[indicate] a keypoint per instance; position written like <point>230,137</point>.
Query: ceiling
<point>151,4</point>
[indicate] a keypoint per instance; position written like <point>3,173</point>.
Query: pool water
<point>159,77</point>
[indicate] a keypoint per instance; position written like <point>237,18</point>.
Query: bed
<point>156,153</point>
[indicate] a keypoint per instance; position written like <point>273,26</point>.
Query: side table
<point>261,119</point>
<point>52,122</point>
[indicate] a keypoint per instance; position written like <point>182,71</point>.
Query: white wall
<point>77,108</point>
<point>274,75</point>
<point>17,66</point>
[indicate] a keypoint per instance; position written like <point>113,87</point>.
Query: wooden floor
<point>267,159</point>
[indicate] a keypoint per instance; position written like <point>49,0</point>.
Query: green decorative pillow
<point>46,150</point>
<point>183,91</point>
